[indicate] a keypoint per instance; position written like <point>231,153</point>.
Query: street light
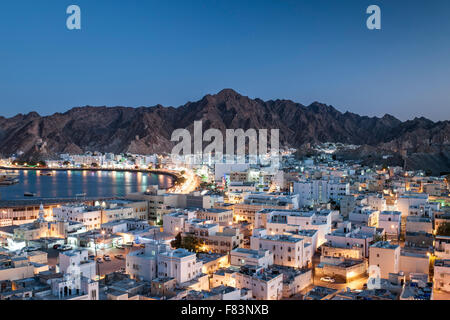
<point>103,238</point>
<point>95,248</point>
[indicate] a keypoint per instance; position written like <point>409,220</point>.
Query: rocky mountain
<point>148,129</point>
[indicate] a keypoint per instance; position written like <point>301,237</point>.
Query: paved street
<point>354,285</point>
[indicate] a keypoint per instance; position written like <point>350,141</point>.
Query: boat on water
<point>8,179</point>
<point>48,173</point>
<point>80,195</point>
<point>29,194</point>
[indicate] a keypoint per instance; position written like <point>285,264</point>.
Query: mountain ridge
<point>148,129</point>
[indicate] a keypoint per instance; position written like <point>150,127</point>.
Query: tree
<point>32,163</point>
<point>66,163</point>
<point>190,243</point>
<point>444,229</point>
<point>377,238</point>
<point>94,165</point>
<point>180,180</point>
<point>177,242</point>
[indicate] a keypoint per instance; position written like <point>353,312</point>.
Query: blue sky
<point>144,52</point>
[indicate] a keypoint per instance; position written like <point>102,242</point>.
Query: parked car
<point>56,246</point>
<point>327,279</point>
<point>120,247</point>
<point>65,247</point>
<point>119,256</point>
<point>29,249</point>
<point>128,244</point>
<point>91,256</point>
<point>106,257</point>
<point>99,260</point>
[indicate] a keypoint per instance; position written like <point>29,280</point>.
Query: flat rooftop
<point>214,210</point>
<point>283,238</point>
<point>391,213</point>
<point>252,253</point>
<point>178,253</point>
<point>304,232</point>
<point>385,245</point>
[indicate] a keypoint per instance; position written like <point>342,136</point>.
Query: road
<point>190,185</point>
<point>357,284</point>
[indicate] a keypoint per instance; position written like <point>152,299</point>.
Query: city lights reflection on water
<point>67,184</point>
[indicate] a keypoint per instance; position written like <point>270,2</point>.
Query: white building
<point>442,275</point>
<point>142,264</point>
<point>386,256</point>
<point>281,221</point>
<point>376,202</point>
<point>391,222</point>
<point>414,262</point>
<point>359,238</point>
<point>410,199</point>
<point>180,264</point>
<point>265,284</point>
<point>259,258</point>
<point>419,224</point>
<point>222,169</point>
<point>78,259</point>
<point>287,250</point>
<point>174,222</point>
<point>364,215</point>
<point>425,210</point>
<point>90,217</point>
<point>320,191</point>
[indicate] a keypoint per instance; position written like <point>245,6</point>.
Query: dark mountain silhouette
<point>148,129</point>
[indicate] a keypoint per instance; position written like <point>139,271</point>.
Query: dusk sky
<point>143,53</point>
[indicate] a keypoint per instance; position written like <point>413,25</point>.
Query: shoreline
<point>172,174</point>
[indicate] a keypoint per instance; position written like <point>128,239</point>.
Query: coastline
<point>172,174</point>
